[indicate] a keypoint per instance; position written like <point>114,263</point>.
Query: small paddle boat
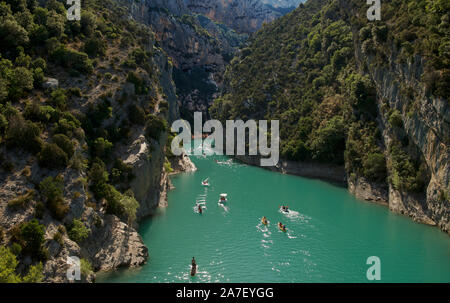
<point>205,182</point>
<point>223,198</point>
<point>284,208</point>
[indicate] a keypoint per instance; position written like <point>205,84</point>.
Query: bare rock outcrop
<point>115,245</point>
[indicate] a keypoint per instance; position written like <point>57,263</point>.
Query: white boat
<point>284,209</point>
<point>223,198</point>
<point>205,182</point>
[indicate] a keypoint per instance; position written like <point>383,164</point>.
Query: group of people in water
<point>264,221</point>
<point>281,226</point>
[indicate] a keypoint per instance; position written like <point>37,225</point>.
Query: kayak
<point>264,222</point>
<point>281,228</point>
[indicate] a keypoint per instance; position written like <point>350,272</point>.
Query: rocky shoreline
<point>329,172</point>
<point>113,253</point>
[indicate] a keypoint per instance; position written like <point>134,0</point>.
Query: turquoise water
<point>330,233</point>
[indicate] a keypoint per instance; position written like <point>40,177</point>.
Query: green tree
<point>52,190</point>
<point>78,232</point>
<point>21,81</point>
<point>32,235</point>
<point>53,157</point>
<point>24,134</point>
<point>102,148</point>
<point>59,99</point>
<point>11,33</point>
<point>65,144</point>
<point>8,264</point>
<point>375,167</point>
<point>35,274</point>
<point>328,143</point>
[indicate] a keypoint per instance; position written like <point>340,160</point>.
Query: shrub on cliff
<point>296,150</point>
<point>12,34</point>
<point>98,177</point>
<point>395,119</point>
<point>136,114</point>
<point>73,59</point>
<point>122,205</point>
<point>8,265</point>
<point>53,157</point>
<point>121,172</point>
<point>67,125</point>
<point>375,167</point>
<point>59,99</point>
<point>155,126</point>
<point>32,234</point>
<point>30,237</point>
<point>328,144</point>
<point>406,174</point>
<point>86,267</point>
<point>102,148</point>
<point>21,201</point>
<point>95,47</point>
<point>65,144</point>
<point>36,112</point>
<point>24,134</point>
<point>78,232</point>
<point>21,81</point>
<point>52,190</point>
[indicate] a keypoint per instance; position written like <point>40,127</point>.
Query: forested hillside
<point>83,111</point>
<point>372,96</point>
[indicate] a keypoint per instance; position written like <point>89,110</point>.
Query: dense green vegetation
<point>8,265</point>
<point>305,70</point>
<point>106,85</point>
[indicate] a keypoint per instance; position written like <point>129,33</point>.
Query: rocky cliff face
<point>201,37</point>
<point>427,126</point>
<point>244,16</point>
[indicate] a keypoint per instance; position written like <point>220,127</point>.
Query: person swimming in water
<point>194,267</point>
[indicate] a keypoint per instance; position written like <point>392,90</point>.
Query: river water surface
<point>330,234</point>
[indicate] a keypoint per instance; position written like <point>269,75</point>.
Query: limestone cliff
<point>428,126</point>
<point>201,38</point>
